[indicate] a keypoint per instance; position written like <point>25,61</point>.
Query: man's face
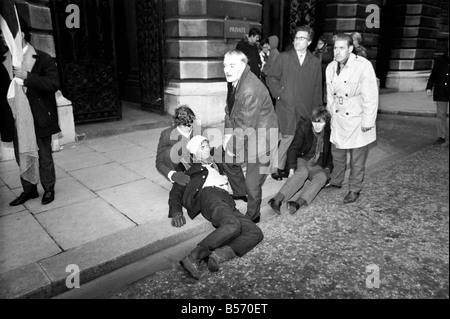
<point>254,39</point>
<point>318,125</point>
<point>342,50</point>
<point>233,67</point>
<point>204,151</point>
<point>301,41</point>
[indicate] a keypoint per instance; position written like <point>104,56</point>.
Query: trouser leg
<point>218,207</point>
<point>316,181</point>
<point>254,181</point>
<point>339,163</point>
<point>283,147</point>
<point>358,167</point>
<point>249,237</point>
<point>236,178</point>
<point>46,165</point>
<point>295,182</point>
<point>442,127</point>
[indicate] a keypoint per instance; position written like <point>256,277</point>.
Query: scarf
<point>24,122</point>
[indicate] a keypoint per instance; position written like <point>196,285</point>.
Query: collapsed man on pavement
<point>207,193</point>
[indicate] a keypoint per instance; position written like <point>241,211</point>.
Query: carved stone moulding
<point>415,32</point>
<point>410,54</point>
<point>198,48</point>
<point>410,65</point>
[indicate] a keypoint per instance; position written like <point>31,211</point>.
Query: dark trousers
<point>46,165</point>
<point>232,227</point>
<point>250,185</point>
<point>358,157</point>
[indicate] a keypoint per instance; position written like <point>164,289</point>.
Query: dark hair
<point>307,29</point>
<point>320,112</point>
<point>253,32</point>
<point>323,39</point>
<point>183,116</point>
<point>25,29</point>
<point>345,37</point>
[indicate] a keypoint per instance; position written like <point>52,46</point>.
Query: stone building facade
<point>186,66</point>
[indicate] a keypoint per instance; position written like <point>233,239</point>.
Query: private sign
<point>236,29</point>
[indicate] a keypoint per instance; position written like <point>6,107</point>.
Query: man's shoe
<point>244,198</point>
<point>293,207</point>
<point>275,205</point>
<point>351,197</point>
<point>192,267</point>
<point>23,198</point>
<point>329,186</point>
<point>439,141</point>
<point>48,197</point>
<point>279,175</point>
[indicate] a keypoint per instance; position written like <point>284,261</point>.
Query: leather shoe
<point>244,198</point>
<point>351,197</point>
<point>23,198</point>
<point>329,186</point>
<point>48,197</point>
<point>275,206</point>
<point>192,267</point>
<point>256,220</point>
<point>279,175</point>
<point>293,207</point>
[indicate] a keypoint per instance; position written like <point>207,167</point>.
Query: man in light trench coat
<point>352,100</point>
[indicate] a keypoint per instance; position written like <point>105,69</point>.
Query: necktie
<point>340,66</point>
<point>301,62</point>
<point>230,96</point>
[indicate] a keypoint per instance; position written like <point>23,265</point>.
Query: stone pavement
<point>111,204</point>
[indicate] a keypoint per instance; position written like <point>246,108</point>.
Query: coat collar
<point>294,55</point>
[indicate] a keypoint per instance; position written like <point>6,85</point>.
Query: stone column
<point>195,46</point>
<point>415,36</point>
<point>349,16</point>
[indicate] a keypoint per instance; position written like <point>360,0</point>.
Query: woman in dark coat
<point>438,87</point>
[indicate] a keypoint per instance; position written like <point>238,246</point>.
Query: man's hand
<point>366,129</point>
<point>178,221</point>
<point>20,73</point>
<point>181,178</point>
<point>429,92</point>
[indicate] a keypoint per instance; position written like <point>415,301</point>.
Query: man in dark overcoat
<point>36,82</point>
<point>295,80</point>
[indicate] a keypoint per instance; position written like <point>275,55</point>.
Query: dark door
<point>86,59</point>
<point>150,28</point>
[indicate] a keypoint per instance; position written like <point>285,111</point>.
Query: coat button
<point>346,95</point>
<point>337,111</point>
<point>335,93</point>
<point>347,114</point>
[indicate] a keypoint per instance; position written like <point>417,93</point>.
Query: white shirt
<point>186,135</point>
<point>301,57</point>
<point>214,178</point>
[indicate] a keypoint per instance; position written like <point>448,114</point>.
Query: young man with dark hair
<point>310,159</point>
<point>249,47</point>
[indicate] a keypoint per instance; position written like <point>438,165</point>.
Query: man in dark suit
<point>38,78</point>
<point>207,192</point>
<point>251,131</point>
<point>295,80</point>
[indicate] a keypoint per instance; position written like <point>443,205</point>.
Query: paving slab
<point>77,224</point>
<point>85,160</point>
<point>145,168</point>
<point>140,201</point>
<point>67,191</point>
<point>25,282</point>
<point>6,197</point>
<point>148,138</point>
<point>72,149</point>
<point>104,176</point>
<point>130,154</point>
<point>23,241</point>
<point>6,166</point>
<point>104,145</point>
